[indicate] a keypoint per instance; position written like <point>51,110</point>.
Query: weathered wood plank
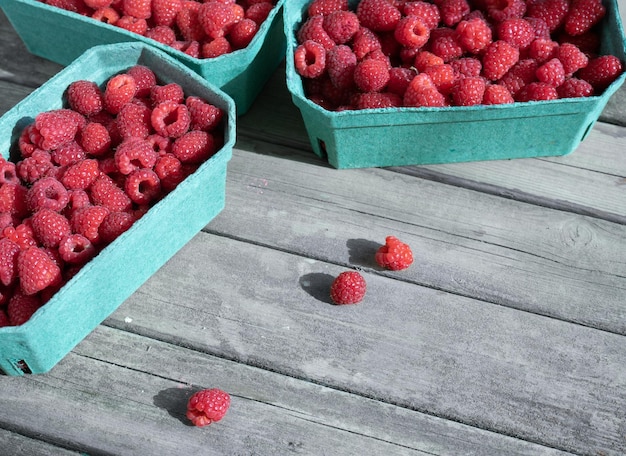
<point>12,444</point>
<point>129,394</point>
<point>488,366</point>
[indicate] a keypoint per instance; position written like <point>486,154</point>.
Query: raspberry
<point>96,4</point>
<point>164,11</point>
<point>326,6</point>
<point>119,90</point>
<point>105,192</point>
<point>160,144</point>
<point>21,307</point>
<point>453,11</point>
<point>85,97</point>
<point>207,406</point>
<point>541,28</point>
<point>134,153</point>
<point>543,49</point>
<point>497,94</point>
<point>424,59</point>
<point>242,33</point>
<point>499,57</point>
<point>341,26</point>
<point>364,42</point>
<point>443,76</point>
<point>216,18</point>
<point>77,199</point>
<point>188,23</point>
<point>49,227</point>
<point>474,35</point>
<point>572,58</point>
<point>68,154</point>
<point>162,34</point>
<point>601,71</point>
<point>8,261</point>
<point>219,46</point>
<point>87,220</point>
<point>377,100</point>
<point>143,186</point>
<point>371,75</point>
<point>56,128</point>
<point>412,32</point>
<point>47,193</point>
<point>399,80</point>
<point>81,175</point>
<point>133,24</point>
<point>313,29</point>
<point>170,172</point>
<point>551,72</point>
<point>115,224</point>
<point>4,319</point>
<point>467,66</point>
<point>522,73</point>
<point>258,12</point>
<point>76,249</point>
<point>349,287</point>
<point>140,9</point>
<point>553,12</point>
<point>423,92</point>
<point>194,147</point>
<point>36,270</point>
<point>35,167</point>
<point>8,172</point>
<point>582,15</point>
<point>378,15</point>
<point>94,138</point>
<point>341,62</point>
<point>536,91</point>
<point>22,235</point>
<point>468,91</point>
<point>517,32</point>
<point>27,142</point>
<point>170,119</point>
<point>394,255</point>
<point>134,120</point>
<point>425,10</point>
<point>499,10</point>
<point>589,42</point>
<point>574,88</point>
<point>191,48</point>
<point>204,116</point>
<point>13,199</point>
<point>310,59</point>
<point>444,42</point>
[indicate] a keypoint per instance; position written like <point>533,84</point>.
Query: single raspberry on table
<point>349,287</point>
<point>394,255</point>
<point>310,59</point>
<point>207,406</point>
<point>85,97</point>
<point>36,270</point>
<point>583,15</point>
<point>378,15</point>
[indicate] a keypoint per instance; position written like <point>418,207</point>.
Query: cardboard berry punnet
<point>61,36</point>
<point>121,267</point>
<point>419,136</point>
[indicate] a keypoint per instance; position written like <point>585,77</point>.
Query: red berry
<point>575,88</point>
<point>140,9</point>
<point>194,147</point>
<point>371,75</point>
<point>120,89</point>
<point>313,29</point>
<point>341,26</point>
<point>95,139</point>
<point>553,12</point>
<point>348,288</point>
<point>56,128</point>
<point>105,192</point>
<point>497,94</point>
<point>204,116</point>
<point>87,220</point>
<point>468,91</point>
<point>364,42</point>
<point>601,71</point>
<point>572,58</point>
<point>207,406</point>
<point>394,255</point>
<point>49,227</point>
<point>85,97</point>
<point>171,119</point>
<point>423,92</point>
<point>188,23</point>
<point>81,175</point>
<point>8,172</point>
<point>164,11</point>
<point>134,153</point>
<point>134,120</point>
<point>133,24</point>
<point>444,42</point>
<point>36,270</point>
<point>340,65</point>
<point>326,6</point>
<point>543,49</point>
<point>76,249</point>
<point>8,261</point>
<point>216,18</point>
<point>427,11</point>
<point>412,32</point>
<point>583,15</point>
<point>215,48</point>
<point>453,11</point>
<point>310,59</point>
<point>536,91</point>
<point>377,100</point>
<point>169,92</point>
<point>517,32</point>
<point>114,224</point>
<point>378,15</point>
<point>47,193</point>
<point>474,35</point>
<point>242,33</point>
<point>501,10</point>
<point>21,307</point>
<point>551,72</point>
<point>143,186</point>
<point>499,57</point>
<point>144,78</point>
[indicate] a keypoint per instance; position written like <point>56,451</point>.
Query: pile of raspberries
<point>199,29</point>
<point>87,172</point>
<point>436,53</point>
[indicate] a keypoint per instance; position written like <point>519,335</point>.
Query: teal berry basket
<point>419,136</point>
<point>61,36</point>
<point>108,279</point>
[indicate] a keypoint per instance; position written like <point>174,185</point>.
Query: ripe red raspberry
<point>394,255</point>
<point>242,33</point>
<point>55,128</point>
<point>378,15</point>
<point>85,97</point>
<point>76,249</point>
<point>371,75</point>
<point>444,42</point>
<point>115,224</point>
<point>207,406</point>
<point>168,92</point>
<point>583,15</point>
<point>188,23</point>
<point>412,32</point>
<point>143,186</point>
<point>8,261</point>
<point>22,235</point>
<point>21,307</point>
<point>81,175</point>
<point>500,10</point>
<point>443,76</point>
<point>399,80</point>
<point>429,12</point>
<point>36,270</point>
<point>377,100</point>
<point>326,6</point>
<point>8,172</point>
<point>162,34</point>
<point>33,168</point>
<point>310,59</point>
<point>219,46</point>
<point>94,138</point>
<point>601,71</point>
<point>258,12</point>
<point>134,120</point>
<point>543,49</point>
<point>423,92</point>
<point>468,91</point>
<point>119,90</point>
<point>551,72</point>
<point>134,153</point>
<point>474,35</point>
<point>341,26</point>
<point>364,42</point>
<point>499,58</point>
<point>522,73</point>
<point>194,147</point>
<point>216,18</point>
<point>77,199</point>
<point>313,29</point>
<point>49,227</point>
<point>497,94</point>
<point>105,192</point>
<point>424,59</point>
<point>536,91</point>
<point>13,199</point>
<point>170,119</point>
<point>204,116</point>
<point>47,193</point>
<point>553,12</point>
<point>141,9</point>
<point>349,287</point>
<point>517,32</point>
<point>467,66</point>
<point>164,11</point>
<point>572,58</point>
<point>191,48</point>
<point>68,154</point>
<point>340,65</point>
<point>453,11</point>
<point>87,220</point>
<point>133,24</point>
<point>170,171</point>
<point>574,88</point>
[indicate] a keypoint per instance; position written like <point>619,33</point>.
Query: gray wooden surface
<point>506,337</point>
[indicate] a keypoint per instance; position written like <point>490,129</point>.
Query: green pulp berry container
<point>61,36</point>
<point>125,264</point>
<point>418,136</point>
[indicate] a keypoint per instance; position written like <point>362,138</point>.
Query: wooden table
<point>506,337</point>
